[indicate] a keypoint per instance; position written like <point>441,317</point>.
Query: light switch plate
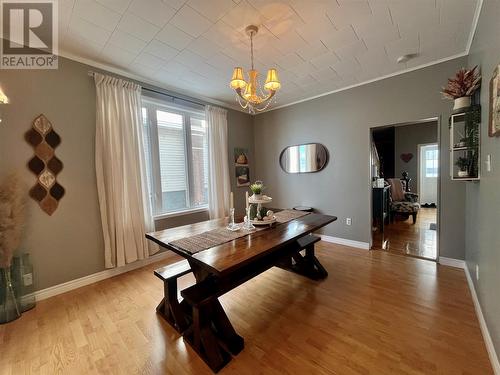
<point>488,163</point>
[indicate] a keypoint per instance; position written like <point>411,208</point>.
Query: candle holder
<point>232,225</point>
<point>248,223</point>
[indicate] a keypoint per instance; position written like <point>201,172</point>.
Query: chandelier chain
<point>251,47</point>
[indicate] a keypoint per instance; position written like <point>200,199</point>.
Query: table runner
<point>215,237</point>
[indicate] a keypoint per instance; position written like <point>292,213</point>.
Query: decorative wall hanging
<point>495,104</point>
<point>45,165</point>
<point>406,157</point>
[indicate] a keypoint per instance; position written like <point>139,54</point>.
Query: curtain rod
<point>90,73</point>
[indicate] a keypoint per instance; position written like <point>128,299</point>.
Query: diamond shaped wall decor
<point>45,164</point>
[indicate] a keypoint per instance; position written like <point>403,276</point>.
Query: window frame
<point>156,197</point>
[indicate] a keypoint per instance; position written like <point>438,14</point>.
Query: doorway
<point>405,177</point>
<point>428,168</point>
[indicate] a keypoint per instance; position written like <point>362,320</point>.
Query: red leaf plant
<point>465,82</point>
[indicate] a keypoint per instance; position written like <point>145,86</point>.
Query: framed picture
<point>242,176</point>
<point>241,156</point>
<point>494,126</point>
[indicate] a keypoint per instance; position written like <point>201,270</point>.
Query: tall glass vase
<point>8,304</point>
<point>22,281</point>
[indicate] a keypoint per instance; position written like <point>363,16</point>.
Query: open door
<point>428,173</point>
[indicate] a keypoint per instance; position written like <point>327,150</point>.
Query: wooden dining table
<point>221,268</point>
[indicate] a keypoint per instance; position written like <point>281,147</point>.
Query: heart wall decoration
<point>406,157</point>
<point>44,164</point>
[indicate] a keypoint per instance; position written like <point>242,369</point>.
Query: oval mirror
<point>307,158</point>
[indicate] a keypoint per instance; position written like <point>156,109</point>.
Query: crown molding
<point>462,54</point>
<point>475,21</point>
<point>170,90</point>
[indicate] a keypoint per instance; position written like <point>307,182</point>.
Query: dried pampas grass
<point>12,203</point>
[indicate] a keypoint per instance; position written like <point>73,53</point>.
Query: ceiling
<point>191,46</point>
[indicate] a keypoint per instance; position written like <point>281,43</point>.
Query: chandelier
<point>249,93</point>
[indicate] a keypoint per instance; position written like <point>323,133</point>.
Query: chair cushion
<point>409,207</point>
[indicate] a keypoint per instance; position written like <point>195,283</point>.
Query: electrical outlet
<point>477,272</point>
<point>348,221</point>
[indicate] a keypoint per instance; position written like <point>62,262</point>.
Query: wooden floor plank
<point>376,313</point>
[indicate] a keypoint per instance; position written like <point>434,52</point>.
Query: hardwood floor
<point>376,313</point>
<point>404,237</point>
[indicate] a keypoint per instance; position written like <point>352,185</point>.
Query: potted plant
<point>257,188</point>
<point>463,166</point>
<point>461,87</point>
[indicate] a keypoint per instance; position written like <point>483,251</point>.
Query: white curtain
<point>120,171</point>
<point>219,186</point>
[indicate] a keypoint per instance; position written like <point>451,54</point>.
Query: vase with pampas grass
<point>12,202</point>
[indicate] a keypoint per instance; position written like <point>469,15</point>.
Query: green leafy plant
<point>462,163</point>
<point>257,188</point>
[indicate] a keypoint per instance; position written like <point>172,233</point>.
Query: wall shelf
<point>465,129</point>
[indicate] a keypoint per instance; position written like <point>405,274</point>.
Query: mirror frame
<point>327,161</point>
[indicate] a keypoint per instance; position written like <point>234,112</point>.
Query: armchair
<point>401,202</point>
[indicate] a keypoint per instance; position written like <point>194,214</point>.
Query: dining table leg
<point>211,333</point>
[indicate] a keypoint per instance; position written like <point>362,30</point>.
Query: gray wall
<point>68,244</point>
<point>342,122</point>
<point>483,198</point>
<point>241,135</point>
<point>406,139</point>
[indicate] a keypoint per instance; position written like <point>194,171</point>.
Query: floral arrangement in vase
<point>460,87</point>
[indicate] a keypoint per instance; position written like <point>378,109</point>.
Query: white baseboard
<point>452,262</point>
<point>90,279</point>
<point>346,242</point>
<point>482,323</point>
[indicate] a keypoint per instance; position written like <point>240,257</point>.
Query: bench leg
<point>306,265</point>
<point>170,308</point>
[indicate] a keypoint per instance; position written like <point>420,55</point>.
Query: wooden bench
<point>173,311</point>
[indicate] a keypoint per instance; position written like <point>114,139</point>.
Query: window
<point>176,150</point>
<point>431,162</point>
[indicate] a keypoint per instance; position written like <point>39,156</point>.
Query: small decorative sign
<point>45,165</point>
